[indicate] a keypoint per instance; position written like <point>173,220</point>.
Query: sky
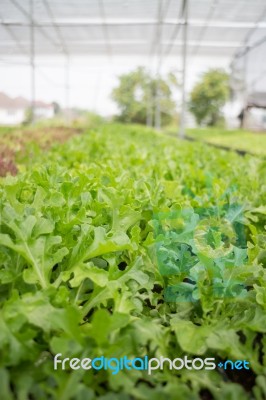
<point>91,79</point>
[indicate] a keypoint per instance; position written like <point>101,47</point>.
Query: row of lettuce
<point>124,242</point>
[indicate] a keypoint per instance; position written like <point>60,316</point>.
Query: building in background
<point>13,110</point>
<point>254,117</point>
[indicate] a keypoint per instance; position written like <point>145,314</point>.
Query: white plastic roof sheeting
<point>148,30</point>
<point>123,27</point>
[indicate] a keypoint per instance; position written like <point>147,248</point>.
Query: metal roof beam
<point>56,27</point>
<point>209,16</point>
<point>105,28</point>
<point>32,22</point>
<point>175,31</point>
<point>225,44</point>
<point>246,48</point>
<point>15,38</point>
<point>79,22</point>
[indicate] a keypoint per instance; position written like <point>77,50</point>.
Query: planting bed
<point>122,242</point>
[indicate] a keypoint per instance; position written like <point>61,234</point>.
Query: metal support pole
<point>157,118</point>
<point>32,60</point>
<point>246,88</point>
<point>184,70</point>
<point>158,101</point>
<point>149,104</point>
<point>67,87</point>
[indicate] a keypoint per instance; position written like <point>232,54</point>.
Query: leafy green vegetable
<point>123,242</point>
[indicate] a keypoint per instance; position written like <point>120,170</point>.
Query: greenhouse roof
<point>124,27</point>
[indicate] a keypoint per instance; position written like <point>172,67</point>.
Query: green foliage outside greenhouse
<point>138,93</point>
<point>209,96</point>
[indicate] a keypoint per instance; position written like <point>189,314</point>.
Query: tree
<point>56,107</point>
<point>28,116</point>
<point>209,96</point>
<point>135,96</point>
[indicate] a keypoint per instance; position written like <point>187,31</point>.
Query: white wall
<point>44,112</point>
<point>11,117</point>
<point>256,119</point>
<point>231,111</point>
